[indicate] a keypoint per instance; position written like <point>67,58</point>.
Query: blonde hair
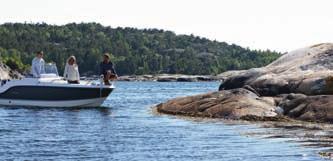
<point>71,57</point>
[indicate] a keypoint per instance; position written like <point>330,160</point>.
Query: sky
<point>281,25</point>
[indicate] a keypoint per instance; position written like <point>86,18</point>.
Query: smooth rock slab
<point>308,70</point>
<point>229,104</point>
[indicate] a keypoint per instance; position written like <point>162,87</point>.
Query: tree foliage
<point>134,51</point>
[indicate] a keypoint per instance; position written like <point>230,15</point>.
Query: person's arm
<point>113,69</point>
<point>66,72</point>
<point>35,68</point>
<point>42,67</point>
<point>115,76</point>
<point>77,73</point>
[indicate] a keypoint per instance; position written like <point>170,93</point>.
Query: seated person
<point>37,67</point>
<point>107,69</point>
<point>71,73</point>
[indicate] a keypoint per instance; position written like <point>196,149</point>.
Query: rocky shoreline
<point>6,73</point>
<point>243,104</point>
<point>170,78</point>
<point>298,85</point>
<point>293,95</point>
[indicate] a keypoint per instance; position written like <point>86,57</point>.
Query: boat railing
<point>98,81</point>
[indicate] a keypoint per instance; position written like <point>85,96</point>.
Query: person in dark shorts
<point>107,69</point>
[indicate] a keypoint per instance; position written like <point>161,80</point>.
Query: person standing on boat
<point>107,69</point>
<point>71,73</point>
<point>37,67</point>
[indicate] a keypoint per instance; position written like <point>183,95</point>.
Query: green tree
<point>134,51</point>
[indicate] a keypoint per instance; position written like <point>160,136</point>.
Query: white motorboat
<point>51,90</point>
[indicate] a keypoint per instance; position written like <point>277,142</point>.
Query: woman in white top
<point>71,73</point>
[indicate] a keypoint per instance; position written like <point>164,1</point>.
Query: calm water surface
<point>127,129</point>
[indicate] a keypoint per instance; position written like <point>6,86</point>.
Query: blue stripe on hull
<point>53,93</point>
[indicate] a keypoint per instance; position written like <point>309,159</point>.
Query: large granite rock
<point>317,108</point>
<point>230,104</point>
<point>244,104</point>
<point>298,85</point>
<point>308,70</point>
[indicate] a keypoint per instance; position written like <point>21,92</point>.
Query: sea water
<point>127,128</point>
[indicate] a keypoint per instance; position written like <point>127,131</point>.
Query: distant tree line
<point>134,51</point>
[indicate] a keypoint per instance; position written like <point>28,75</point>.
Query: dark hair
<point>39,52</point>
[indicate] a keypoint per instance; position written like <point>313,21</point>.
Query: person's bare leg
<point>107,78</point>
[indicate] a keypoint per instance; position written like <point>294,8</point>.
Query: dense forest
<point>134,51</point>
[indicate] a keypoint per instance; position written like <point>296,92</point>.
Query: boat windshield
<point>51,68</point>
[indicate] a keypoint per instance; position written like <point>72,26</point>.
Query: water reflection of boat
<point>50,90</point>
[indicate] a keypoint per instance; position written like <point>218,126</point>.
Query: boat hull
<point>95,102</point>
<point>54,93</point>
<point>54,96</point>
